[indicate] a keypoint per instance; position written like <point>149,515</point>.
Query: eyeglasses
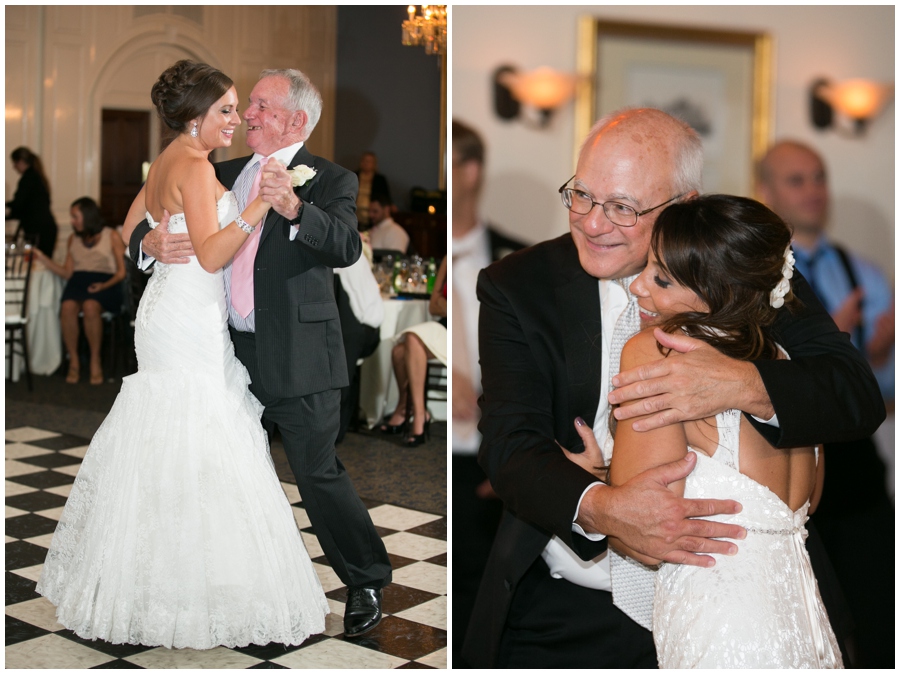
<point>617,213</point>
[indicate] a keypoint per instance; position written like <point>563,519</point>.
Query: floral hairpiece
<point>776,297</point>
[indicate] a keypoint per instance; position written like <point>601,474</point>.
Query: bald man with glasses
<point>546,324</point>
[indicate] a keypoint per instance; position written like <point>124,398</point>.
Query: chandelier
<point>428,29</point>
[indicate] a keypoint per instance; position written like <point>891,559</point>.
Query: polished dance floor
<point>40,468</point>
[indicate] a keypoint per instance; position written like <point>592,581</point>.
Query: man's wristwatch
<point>296,221</point>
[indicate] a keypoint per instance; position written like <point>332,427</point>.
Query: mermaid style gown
<point>176,532</point>
<point>759,608</point>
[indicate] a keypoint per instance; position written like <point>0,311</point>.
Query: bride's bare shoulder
<point>640,349</point>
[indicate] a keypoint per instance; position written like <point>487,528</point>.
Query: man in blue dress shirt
<point>855,506</point>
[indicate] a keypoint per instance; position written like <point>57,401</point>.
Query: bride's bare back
<point>170,173</point>
<point>789,473</point>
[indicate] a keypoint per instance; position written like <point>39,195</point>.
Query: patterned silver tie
<point>243,184</point>
<point>632,582</point>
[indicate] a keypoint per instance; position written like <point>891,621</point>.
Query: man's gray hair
<point>688,149</point>
<point>302,95</point>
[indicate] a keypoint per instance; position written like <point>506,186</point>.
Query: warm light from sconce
<point>13,113</point>
<point>543,88</point>
<point>858,99</point>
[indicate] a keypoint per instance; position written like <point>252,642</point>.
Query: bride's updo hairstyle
<point>731,252</point>
<point>186,91</point>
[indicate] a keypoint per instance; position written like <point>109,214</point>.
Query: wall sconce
<point>860,100</point>
<point>543,89</point>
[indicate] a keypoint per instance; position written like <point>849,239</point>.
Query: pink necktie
<point>242,266</point>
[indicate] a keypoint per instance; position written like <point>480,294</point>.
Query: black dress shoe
<point>363,611</point>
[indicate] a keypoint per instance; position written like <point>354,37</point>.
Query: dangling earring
<point>194,132</point>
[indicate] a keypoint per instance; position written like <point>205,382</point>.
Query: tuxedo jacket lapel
<point>578,302</point>
<point>579,309</point>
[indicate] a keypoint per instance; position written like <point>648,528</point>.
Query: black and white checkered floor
<point>40,469</point>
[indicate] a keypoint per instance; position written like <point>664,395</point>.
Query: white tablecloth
<point>378,393</point>
<point>43,332</point>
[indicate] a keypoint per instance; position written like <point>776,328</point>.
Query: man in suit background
<point>545,326</point>
<point>476,509</point>
<point>793,182</point>
<point>290,338</point>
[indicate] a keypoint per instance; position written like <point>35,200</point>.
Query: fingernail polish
<point>579,421</point>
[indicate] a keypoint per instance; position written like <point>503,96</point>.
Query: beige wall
<point>64,64</point>
<point>525,167</point>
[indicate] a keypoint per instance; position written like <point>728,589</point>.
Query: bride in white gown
<point>178,534</point>
<point>719,268</point>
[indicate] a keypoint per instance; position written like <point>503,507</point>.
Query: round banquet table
<point>378,393</point>
<point>43,331</point>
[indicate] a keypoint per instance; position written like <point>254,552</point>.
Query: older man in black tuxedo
<point>545,327</point>
<point>289,336</point>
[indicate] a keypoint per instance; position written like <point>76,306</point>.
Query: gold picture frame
<point>718,81</point>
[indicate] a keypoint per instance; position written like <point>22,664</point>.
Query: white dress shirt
<point>470,254</point>
<point>388,235</point>
<point>361,287</point>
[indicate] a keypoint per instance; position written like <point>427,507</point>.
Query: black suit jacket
<point>501,245</point>
<point>31,207</point>
<point>299,348</point>
<point>539,340</point>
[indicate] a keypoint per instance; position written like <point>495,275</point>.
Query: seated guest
<point>370,182</point>
<point>410,355</point>
<point>94,269</point>
<point>385,234</point>
<point>361,311</point>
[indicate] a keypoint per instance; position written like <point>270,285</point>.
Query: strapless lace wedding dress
<point>176,532</point>
<point>760,608</point>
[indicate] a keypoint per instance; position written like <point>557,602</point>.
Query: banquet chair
<point>18,280</point>
<point>435,385</point>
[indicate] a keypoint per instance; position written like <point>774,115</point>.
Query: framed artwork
<point>717,81</point>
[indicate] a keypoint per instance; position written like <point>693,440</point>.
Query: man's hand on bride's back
<point>649,518</point>
<point>165,247</point>
<point>276,189</point>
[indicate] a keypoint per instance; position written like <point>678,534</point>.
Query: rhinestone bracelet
<point>240,222</point>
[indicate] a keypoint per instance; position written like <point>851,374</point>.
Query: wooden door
<point>125,146</point>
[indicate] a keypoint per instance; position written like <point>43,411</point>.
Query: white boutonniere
<point>301,174</point>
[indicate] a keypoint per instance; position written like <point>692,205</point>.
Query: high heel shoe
<point>416,440</point>
<point>391,429</point>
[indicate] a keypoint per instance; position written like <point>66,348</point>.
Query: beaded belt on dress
<point>777,532</point>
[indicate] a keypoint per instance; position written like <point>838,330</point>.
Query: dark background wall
<point>388,100</point>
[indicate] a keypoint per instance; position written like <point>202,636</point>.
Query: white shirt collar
<point>284,155</point>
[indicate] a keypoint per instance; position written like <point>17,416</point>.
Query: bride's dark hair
<point>730,251</point>
<point>186,91</point>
